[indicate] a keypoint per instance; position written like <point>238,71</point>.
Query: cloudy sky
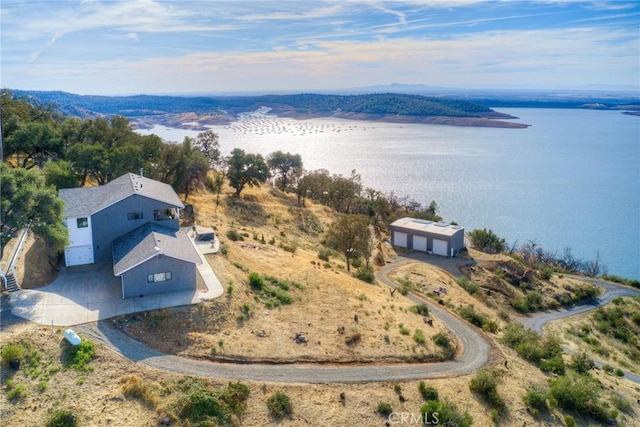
<point>155,46</point>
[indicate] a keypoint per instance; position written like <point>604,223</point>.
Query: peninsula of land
<point>196,113</point>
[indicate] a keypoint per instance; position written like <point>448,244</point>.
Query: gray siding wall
<point>183,277</point>
<point>112,222</point>
<point>456,241</point>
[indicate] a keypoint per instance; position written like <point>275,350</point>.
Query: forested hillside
<point>312,104</point>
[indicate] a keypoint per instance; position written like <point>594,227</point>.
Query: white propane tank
<point>72,337</point>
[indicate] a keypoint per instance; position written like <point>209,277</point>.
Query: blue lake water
<point>572,179</point>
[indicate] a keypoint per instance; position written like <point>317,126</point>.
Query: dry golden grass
<point>324,311</point>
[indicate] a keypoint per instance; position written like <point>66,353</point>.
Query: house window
<point>82,222</point>
<point>159,277</point>
<point>131,216</point>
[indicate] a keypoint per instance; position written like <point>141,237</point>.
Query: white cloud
<point>525,58</point>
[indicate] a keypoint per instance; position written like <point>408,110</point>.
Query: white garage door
<point>420,243</point>
<point>78,255</point>
<point>440,247</point>
<point>400,239</point>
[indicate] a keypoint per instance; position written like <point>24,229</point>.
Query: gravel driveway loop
<point>474,355</point>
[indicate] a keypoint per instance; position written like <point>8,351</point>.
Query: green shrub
<point>62,418</point>
<point>619,372</point>
<point>554,364</point>
<point>578,393</point>
<point>224,249</point>
<point>384,409</point>
<point>12,352</point>
<point>234,235</point>
<point>235,397</point>
<point>569,421</point>
<point>421,309</point>
<point>444,413</point>
<point>487,241</point>
<point>366,274</point>
<point>485,385</point>
<point>582,363</point>
<point>404,330</point>
<point>324,254</point>
<point>495,416</point>
<point>427,392</point>
<point>536,398</point>
<point>607,368</point>
<point>469,313</point>
<point>255,281</point>
<point>202,405</point>
<point>441,340</point>
<point>530,346</point>
<point>80,355</point>
<point>17,392</point>
<point>418,336</point>
<point>468,285</point>
<point>279,406</point>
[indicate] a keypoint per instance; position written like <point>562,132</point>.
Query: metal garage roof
<point>415,224</point>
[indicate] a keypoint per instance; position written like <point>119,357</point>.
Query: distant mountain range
<point>195,112</point>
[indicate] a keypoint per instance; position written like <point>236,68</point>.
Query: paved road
<point>611,291</point>
<point>474,355</point>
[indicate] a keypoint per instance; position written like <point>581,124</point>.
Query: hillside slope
<point>220,110</point>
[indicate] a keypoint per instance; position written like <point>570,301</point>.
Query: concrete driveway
<point>89,293</point>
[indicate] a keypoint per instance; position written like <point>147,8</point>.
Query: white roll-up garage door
<point>440,247</point>
<point>78,255</point>
<point>400,239</point>
<point>420,243</point>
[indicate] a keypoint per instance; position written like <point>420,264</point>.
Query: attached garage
<point>399,239</point>
<point>428,236</point>
<point>78,255</point>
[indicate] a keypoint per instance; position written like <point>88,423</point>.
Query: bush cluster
<point>62,418</point>
<point>279,406</point>
<point>12,352</point>
<point>79,356</point>
<point>578,393</point>
<point>366,274</point>
<point>536,399</point>
<point>469,313</point>
<point>427,392</point>
<point>487,241</point>
<point>469,285</point>
<point>485,385</point>
<point>421,309</point>
<point>545,353</point>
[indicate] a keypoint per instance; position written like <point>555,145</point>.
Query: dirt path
<point>475,349</point>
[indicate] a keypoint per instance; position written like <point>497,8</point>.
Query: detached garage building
<point>427,236</point>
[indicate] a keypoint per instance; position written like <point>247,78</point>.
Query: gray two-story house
<point>132,222</point>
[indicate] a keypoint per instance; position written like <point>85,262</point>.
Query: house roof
<point>415,224</point>
<point>148,241</point>
<point>89,200</point>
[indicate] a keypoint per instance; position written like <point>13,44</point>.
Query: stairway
<point>12,282</point>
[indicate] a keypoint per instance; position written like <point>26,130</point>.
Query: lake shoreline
<point>202,122</point>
